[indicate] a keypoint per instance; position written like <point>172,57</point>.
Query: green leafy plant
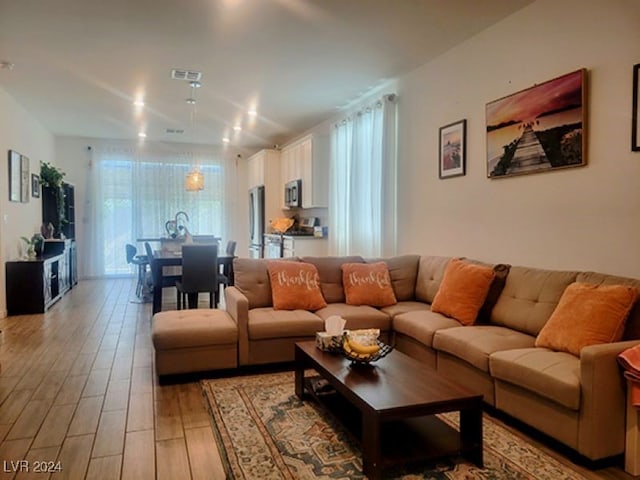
<point>34,244</point>
<point>51,176</point>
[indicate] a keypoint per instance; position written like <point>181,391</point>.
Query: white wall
<point>73,156</point>
<point>19,132</point>
<point>585,218</point>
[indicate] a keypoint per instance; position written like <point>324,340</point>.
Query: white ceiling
<point>79,64</point>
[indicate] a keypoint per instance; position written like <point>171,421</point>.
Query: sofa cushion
<point>295,286</point>
<point>632,327</point>
<point>251,277</point>
<point>422,324</point>
<point>403,307</point>
<point>475,343</point>
<point>529,297</point>
<point>330,273</point>
<point>176,329</point>
<point>553,375</point>
<point>463,290</point>
<point>587,314</point>
<point>430,272</point>
<point>269,323</point>
<point>403,270</point>
<point>368,284</point>
<point>357,316</point>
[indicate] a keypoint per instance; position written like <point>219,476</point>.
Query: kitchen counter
<point>293,237</point>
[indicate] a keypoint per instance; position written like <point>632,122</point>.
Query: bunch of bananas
<point>359,351</point>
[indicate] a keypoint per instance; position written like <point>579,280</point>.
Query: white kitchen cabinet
<point>264,169</point>
<point>294,246</point>
<point>288,245</point>
<point>308,159</point>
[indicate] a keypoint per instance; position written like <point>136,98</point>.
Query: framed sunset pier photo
<point>538,129</point>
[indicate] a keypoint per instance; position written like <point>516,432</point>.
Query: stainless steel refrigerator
<point>256,222</point>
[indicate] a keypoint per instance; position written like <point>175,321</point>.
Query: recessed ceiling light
<point>191,101</point>
<point>142,135</point>
<point>4,65</point>
<point>237,128</point>
<point>252,113</point>
<point>225,140</point>
<point>139,103</point>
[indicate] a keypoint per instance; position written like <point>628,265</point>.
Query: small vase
<point>47,230</point>
<point>31,252</point>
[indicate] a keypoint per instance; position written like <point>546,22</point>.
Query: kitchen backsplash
<point>321,213</point>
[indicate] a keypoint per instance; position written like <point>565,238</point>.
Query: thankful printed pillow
<point>295,286</point>
<point>368,284</point>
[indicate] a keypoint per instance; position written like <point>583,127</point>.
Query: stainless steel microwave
<point>293,193</point>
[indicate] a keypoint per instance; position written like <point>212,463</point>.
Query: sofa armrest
<point>238,308</point>
<point>602,415</point>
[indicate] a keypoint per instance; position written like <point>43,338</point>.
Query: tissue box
<point>327,342</point>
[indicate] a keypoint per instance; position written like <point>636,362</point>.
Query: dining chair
<point>199,274</point>
<point>224,276</point>
<point>167,280</point>
<point>141,261</point>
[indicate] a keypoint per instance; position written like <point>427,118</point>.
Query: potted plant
<point>51,176</point>
<point>34,245</point>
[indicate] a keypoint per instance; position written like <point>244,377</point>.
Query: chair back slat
<point>199,268</point>
<point>231,248</point>
<point>131,252</point>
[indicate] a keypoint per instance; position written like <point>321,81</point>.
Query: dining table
<point>164,258</point>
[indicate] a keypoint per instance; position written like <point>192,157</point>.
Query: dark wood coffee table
<point>397,398</point>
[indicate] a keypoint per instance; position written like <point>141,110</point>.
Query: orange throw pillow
<point>587,315</point>
<point>463,291</point>
<point>295,286</point>
<point>367,284</point>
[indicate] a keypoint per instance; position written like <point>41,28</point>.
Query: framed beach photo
<point>635,125</point>
<point>453,149</point>
<point>24,179</point>
<point>538,129</point>
<point>14,176</point>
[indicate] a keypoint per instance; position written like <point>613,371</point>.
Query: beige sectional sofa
<point>579,401</point>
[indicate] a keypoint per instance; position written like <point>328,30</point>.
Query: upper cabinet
<point>264,169</point>
<point>308,159</point>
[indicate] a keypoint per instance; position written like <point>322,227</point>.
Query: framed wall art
<point>35,186</point>
<point>14,176</point>
<point>542,128</point>
<point>635,126</point>
<point>453,149</point>
<point>24,179</point>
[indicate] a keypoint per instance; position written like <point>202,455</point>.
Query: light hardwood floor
<point>78,387</point>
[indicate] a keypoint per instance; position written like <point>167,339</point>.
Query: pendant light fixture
<point>192,99</point>
<point>194,181</point>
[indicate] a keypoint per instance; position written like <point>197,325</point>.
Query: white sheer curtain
<point>133,192</point>
<point>362,189</point>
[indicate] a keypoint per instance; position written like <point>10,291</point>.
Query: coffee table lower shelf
<point>413,441</point>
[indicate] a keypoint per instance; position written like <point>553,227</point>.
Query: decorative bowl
<point>363,359</point>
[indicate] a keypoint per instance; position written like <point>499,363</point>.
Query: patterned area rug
<point>265,432</point>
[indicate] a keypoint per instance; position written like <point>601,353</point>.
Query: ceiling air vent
<point>189,75</point>
<point>177,131</point>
